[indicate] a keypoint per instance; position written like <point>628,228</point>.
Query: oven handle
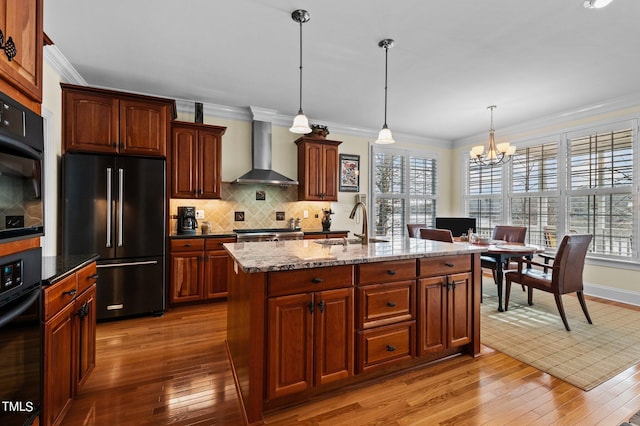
<point>23,306</point>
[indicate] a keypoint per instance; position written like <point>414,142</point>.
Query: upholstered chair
<point>436,234</point>
<point>562,277</point>
<point>414,229</point>
<point>509,234</point>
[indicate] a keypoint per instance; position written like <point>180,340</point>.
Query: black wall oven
<point>21,149</point>
<point>20,337</point>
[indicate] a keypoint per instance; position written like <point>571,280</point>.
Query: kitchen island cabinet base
<point>247,347</point>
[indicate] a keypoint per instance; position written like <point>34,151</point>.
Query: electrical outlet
<point>305,214</point>
<point>199,214</point>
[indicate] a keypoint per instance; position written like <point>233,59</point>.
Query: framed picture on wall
<point>349,173</point>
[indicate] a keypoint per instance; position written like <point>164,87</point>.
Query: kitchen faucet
<point>365,234</point>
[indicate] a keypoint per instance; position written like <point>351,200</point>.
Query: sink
<point>340,241</point>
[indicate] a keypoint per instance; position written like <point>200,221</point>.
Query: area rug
<point>586,356</point>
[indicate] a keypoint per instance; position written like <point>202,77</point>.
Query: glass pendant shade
<point>596,4</point>
<point>385,137</point>
<point>300,124</point>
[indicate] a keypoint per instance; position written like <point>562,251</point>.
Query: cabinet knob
<point>391,304</point>
<point>390,348</point>
<point>316,280</point>
<point>391,272</point>
<point>71,292</point>
<point>449,265</point>
<point>186,245</point>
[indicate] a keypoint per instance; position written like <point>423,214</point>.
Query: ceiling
<point>451,59</point>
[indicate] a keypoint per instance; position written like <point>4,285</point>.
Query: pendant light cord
<point>386,64</point>
<point>300,110</point>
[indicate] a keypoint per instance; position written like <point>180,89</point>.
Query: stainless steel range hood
<point>261,172</point>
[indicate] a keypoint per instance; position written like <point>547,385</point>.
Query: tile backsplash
<point>263,207</point>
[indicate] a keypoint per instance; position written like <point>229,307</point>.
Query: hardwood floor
<point>173,370</point>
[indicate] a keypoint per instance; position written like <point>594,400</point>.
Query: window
<point>582,182</point>
<point>405,190</point>
<point>484,196</point>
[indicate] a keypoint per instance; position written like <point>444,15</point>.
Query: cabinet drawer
<point>57,295</point>
<point>87,277</point>
<point>386,271</point>
<point>383,345</point>
<point>381,304</point>
<point>216,243</point>
<point>445,265</point>
<point>187,244</point>
<point>309,280</point>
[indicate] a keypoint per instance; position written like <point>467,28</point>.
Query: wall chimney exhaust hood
<point>261,172</point>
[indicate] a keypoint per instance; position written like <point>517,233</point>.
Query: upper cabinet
<point>317,169</point>
<point>196,160</point>
<point>21,77</point>
<point>106,121</point>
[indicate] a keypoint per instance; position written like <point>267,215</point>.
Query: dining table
<point>504,252</point>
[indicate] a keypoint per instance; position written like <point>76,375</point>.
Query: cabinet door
<point>143,127</point>
<point>216,266</point>
<point>333,335</point>
<point>290,344</point>
<point>186,276</point>
<point>184,162</point>
<point>329,174</point>
<point>459,307</point>
<point>432,317</point>
<point>312,186</point>
<point>210,146</point>
<point>90,122</point>
<point>58,365</point>
<point>22,21</point>
<point>85,335</point>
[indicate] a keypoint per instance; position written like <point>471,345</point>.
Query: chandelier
<point>496,154</point>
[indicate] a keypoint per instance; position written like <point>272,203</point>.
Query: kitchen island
<point>309,317</point>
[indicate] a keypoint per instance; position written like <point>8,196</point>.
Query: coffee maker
<point>187,223</point>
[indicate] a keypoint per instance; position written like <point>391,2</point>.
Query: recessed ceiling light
<point>596,4</point>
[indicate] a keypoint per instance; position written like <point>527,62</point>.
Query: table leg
<point>499,279</point>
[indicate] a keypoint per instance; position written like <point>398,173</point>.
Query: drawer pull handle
<point>186,245</point>
<point>391,272</point>
<point>93,277</point>
<point>391,304</point>
<point>310,306</point>
<point>321,306</point>
<point>390,348</point>
<point>71,292</point>
<point>316,280</point>
<point>450,265</point>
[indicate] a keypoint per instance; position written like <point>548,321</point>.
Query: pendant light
<point>300,122</point>
<point>496,154</point>
<point>385,137</point>
<point>596,4</point>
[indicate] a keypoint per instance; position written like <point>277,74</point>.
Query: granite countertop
<point>56,267</point>
<point>301,254</point>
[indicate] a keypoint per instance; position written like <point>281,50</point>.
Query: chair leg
<point>506,295</point>
<point>561,310</point>
<point>584,306</point>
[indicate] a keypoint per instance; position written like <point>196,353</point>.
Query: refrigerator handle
<point>120,207</point>
<point>109,207</point>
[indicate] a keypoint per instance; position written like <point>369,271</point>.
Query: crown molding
<point>59,62</point>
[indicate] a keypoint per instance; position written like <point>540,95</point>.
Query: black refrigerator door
<point>129,287</point>
<point>88,184</point>
<point>140,218</point>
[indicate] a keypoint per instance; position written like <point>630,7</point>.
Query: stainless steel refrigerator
<point>115,206</point>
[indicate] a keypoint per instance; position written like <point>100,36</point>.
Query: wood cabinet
<point>69,340</point>
<point>386,313</point>
<point>325,235</point>
<point>310,333</point>
<point>21,78</point>
<point>445,303</point>
<point>196,160</point>
<point>198,269</point>
<point>317,169</point>
<point>110,122</point>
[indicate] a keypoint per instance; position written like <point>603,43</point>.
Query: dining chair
<point>414,229</point>
<point>565,275</point>
<point>436,234</point>
<point>509,234</point>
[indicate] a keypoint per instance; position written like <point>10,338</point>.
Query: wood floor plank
<point>173,370</point>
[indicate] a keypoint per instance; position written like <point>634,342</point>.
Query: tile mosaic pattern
<point>257,213</point>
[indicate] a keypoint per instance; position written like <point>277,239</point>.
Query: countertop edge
<point>64,266</point>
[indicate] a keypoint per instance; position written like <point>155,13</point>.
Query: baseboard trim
<point>614,294</point>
